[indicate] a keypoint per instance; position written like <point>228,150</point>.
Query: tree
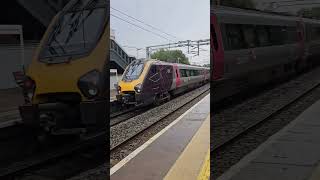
<point>173,56</point>
<point>239,3</point>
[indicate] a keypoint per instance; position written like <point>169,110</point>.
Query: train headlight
<point>137,88</point>
<point>90,83</point>
<point>93,91</point>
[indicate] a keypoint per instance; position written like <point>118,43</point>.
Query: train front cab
<point>67,79</point>
<point>145,82</point>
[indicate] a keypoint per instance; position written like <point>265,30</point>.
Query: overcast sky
<point>184,19</point>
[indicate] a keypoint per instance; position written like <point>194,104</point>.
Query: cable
<point>145,23</point>
<point>133,47</point>
<point>141,27</point>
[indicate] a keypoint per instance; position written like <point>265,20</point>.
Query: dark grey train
<point>250,48</point>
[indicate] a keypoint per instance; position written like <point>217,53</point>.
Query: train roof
<point>248,16</point>
<point>155,61</point>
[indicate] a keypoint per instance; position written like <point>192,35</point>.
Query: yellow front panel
<point>63,77</point>
<point>129,86</point>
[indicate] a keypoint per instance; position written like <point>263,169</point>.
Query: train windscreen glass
<point>133,71</point>
<point>77,30</point>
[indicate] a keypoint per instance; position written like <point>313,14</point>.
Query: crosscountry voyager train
<point>152,81</point>
<point>250,48</point>
<point>66,81</point>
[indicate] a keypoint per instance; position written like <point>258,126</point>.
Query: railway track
<point>256,123</point>
<point>42,158</point>
<point>258,118</point>
<point>161,115</point>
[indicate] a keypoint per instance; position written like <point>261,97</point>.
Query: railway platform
<point>179,151</point>
<point>291,154</point>
<point>10,99</point>
<point>113,94</point>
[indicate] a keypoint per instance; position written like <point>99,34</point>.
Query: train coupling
<point>130,99</point>
<point>63,119</point>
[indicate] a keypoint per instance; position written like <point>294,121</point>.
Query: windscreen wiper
<point>76,23</point>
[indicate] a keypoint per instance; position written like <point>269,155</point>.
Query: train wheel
<point>169,97</point>
<point>157,100</point>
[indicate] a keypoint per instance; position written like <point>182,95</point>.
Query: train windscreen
<point>133,71</point>
<point>77,30</point>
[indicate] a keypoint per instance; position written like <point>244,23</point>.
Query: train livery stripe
<point>217,49</point>
<point>177,75</point>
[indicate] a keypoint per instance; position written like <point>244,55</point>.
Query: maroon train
<point>250,48</point>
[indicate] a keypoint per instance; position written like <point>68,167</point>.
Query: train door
<point>217,53</point>
<point>154,78</point>
<point>166,78</point>
<point>303,44</point>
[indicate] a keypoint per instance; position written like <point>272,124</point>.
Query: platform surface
<point>10,99</point>
<point>180,151</point>
<point>113,94</point>
<point>291,154</point>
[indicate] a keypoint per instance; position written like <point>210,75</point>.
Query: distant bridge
<point>119,59</point>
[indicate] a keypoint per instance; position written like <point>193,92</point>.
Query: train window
<point>249,36</point>
<point>278,35</point>
<point>153,70</point>
<point>292,35</point>
<point>316,33</point>
<point>263,36</point>
<point>133,71</point>
<point>234,37</point>
<point>183,73</point>
<point>76,31</point>
<point>188,72</point>
<point>191,72</point>
<point>214,38</point>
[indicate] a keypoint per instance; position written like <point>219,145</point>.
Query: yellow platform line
<point>205,170</point>
<point>315,174</point>
<point>193,162</point>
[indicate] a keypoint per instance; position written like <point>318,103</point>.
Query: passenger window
<point>183,73</point>
<point>191,72</point>
<point>315,33</point>
<point>249,36</point>
<point>278,35</point>
<point>292,35</point>
<point>234,37</point>
<point>263,36</point>
<point>188,73</point>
